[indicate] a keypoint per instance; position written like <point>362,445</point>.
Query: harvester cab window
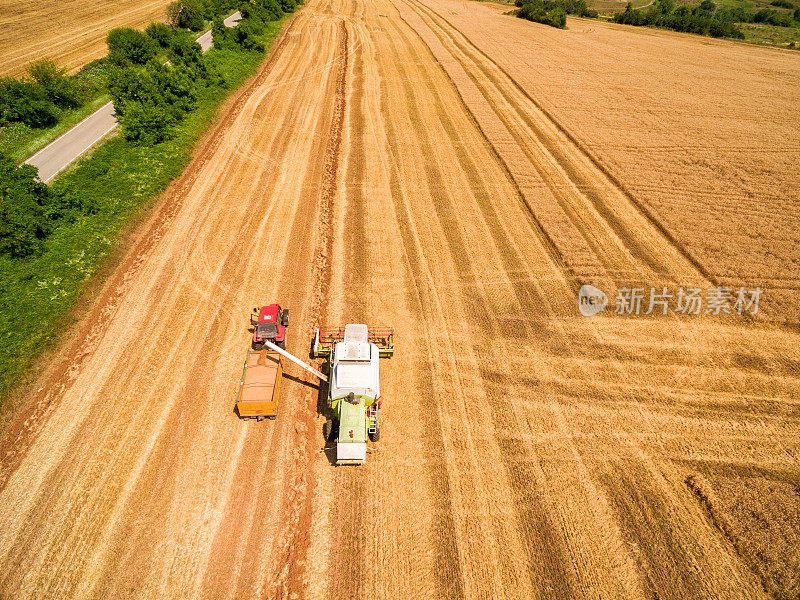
<point>267,330</point>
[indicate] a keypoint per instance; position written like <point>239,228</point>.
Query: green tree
<point>127,45</point>
<point>23,204</point>
<point>125,86</point>
<point>219,33</point>
<point>160,33</point>
<point>147,123</point>
<point>156,97</point>
<point>558,17</point>
<point>246,36</point>
<point>191,15</point>
<point>60,89</point>
<point>261,10</point>
<point>173,13</point>
<point>544,11</point>
<point>187,54</point>
<point>23,101</point>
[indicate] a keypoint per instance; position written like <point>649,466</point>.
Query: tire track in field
<point>355,237</point>
<point>350,512</point>
<point>536,503</point>
<point>617,262</point>
<point>643,515</point>
<point>350,494</point>
<point>529,294</point>
<point>612,207</point>
<point>447,562</point>
<point>296,530</point>
<point>239,518</point>
<point>541,535</point>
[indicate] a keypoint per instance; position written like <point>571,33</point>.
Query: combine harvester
<point>354,388</point>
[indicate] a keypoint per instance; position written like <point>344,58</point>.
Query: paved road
<point>53,158</point>
<point>205,40</point>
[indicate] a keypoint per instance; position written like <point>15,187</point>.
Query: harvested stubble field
<point>380,168</point>
<point>70,32</point>
<point>702,133</point>
<point>761,517</point>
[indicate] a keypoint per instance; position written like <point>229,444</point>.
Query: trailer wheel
<point>375,437</point>
<point>326,430</point>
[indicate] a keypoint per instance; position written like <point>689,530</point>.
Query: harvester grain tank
<point>354,385</point>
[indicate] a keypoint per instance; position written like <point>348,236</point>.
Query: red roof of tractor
<point>269,314</point>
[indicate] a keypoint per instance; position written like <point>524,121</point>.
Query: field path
<point>379,169</point>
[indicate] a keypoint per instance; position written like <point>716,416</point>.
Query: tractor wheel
<point>257,347</point>
<point>281,345</point>
<point>375,437</point>
<point>326,430</point>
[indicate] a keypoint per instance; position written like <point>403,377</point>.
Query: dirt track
<point>526,452</point>
<point>71,32</point>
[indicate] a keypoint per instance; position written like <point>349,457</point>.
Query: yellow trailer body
<point>260,387</point>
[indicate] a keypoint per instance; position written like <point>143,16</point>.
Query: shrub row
<point>705,19</point>
<point>764,15</point>
<point>40,99</point>
<point>153,78</point>
<point>553,12</point>
<point>155,75</point>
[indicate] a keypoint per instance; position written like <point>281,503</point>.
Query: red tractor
<point>269,323</point>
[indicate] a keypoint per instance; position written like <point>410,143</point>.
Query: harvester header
<point>326,338</point>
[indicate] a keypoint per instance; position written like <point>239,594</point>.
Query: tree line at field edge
<point>707,18</point>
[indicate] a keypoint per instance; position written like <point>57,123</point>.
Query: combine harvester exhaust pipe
<point>295,360</point>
